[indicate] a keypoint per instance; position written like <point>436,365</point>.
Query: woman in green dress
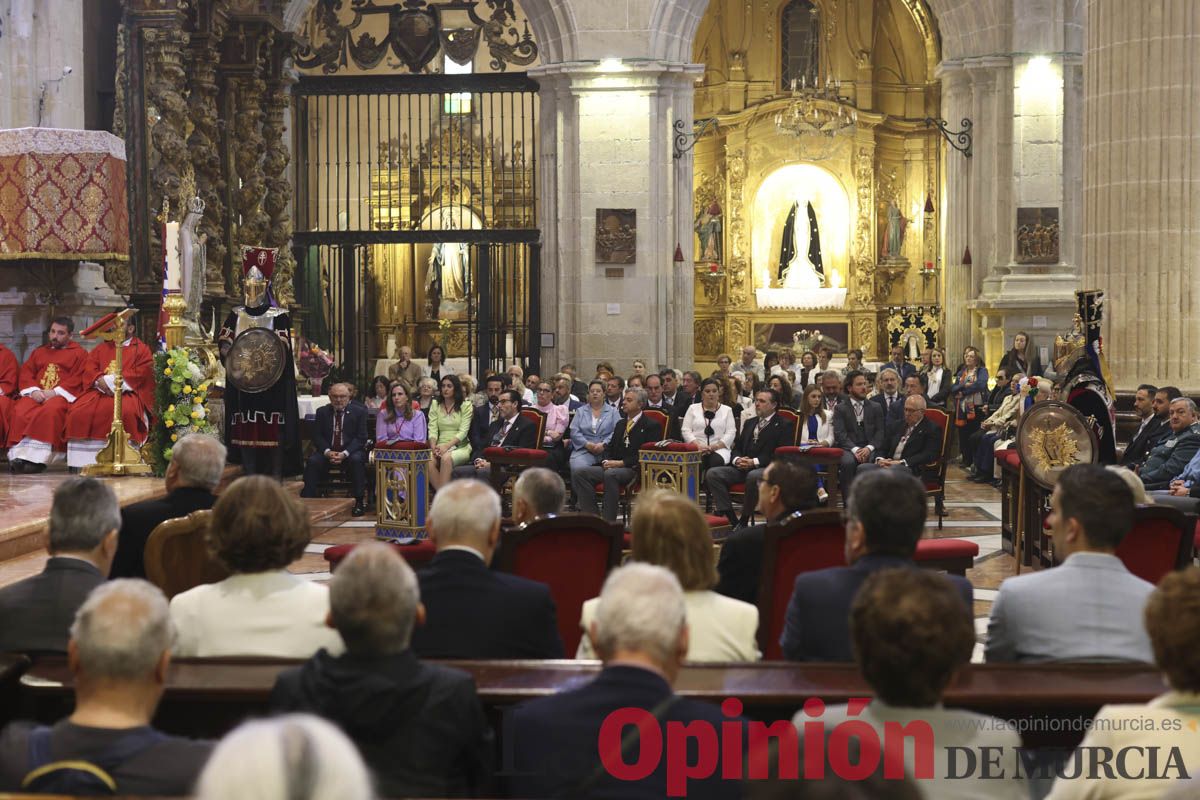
<point>449,421</point>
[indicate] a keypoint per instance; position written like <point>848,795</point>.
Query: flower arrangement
<point>315,364</point>
<point>180,403</point>
<point>443,332</point>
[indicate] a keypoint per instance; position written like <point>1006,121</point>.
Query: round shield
<point>1051,437</point>
<point>256,360</point>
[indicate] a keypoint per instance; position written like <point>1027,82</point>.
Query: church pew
<point>207,697</point>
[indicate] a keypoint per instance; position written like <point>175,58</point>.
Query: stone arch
<point>673,26</point>
<point>973,27</point>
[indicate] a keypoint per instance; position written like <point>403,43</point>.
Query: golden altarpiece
<point>816,231</point>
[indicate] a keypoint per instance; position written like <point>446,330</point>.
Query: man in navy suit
<point>911,442</point>
<point>885,519</point>
<point>472,611</point>
<point>510,429</point>
<point>752,452</point>
<point>339,438</point>
<point>858,428</point>
<point>620,464</point>
<point>487,413</point>
<point>890,398</point>
<point>640,633</point>
<point>900,363</point>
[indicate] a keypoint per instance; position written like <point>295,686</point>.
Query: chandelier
<point>818,115</point>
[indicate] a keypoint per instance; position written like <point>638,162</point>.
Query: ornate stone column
<point>1141,178</point>
<point>278,201</point>
<point>249,147</point>
<point>210,23</point>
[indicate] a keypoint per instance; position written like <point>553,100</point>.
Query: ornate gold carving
<point>279,190</point>
<point>117,276</point>
<point>710,336</point>
<point>864,335</point>
<point>739,333</point>
<point>738,272</point>
<point>711,284</point>
<point>711,189</point>
<point>863,258</point>
<point>122,83</point>
<point>168,155</point>
<point>1054,448</point>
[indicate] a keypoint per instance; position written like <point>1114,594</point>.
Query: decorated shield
<point>256,360</point>
<point>415,35</point>
<point>1051,437</point>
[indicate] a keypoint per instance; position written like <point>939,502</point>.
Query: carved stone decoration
<point>738,271</point>
<point>864,335</point>
<point>122,82</point>
<point>863,259</point>
<point>168,124</point>
<point>248,149</point>
<point>278,200</point>
<point>204,144</point>
<point>710,336</point>
<point>739,333</point>
<point>117,276</point>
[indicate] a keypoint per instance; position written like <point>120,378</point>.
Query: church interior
<point>255,221</point>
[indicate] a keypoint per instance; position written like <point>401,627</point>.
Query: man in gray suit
<point>37,612</point>
<point>858,428</point>
<point>1089,608</point>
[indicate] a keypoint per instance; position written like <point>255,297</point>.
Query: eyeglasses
<point>545,389</point>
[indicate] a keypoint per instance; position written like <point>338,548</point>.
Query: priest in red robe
<point>9,367</point>
<point>90,418</point>
<point>51,380</point>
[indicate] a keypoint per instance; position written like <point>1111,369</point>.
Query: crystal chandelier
<point>818,115</point>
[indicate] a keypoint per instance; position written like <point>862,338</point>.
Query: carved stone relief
<point>710,336</point>
<point>248,149</point>
<point>204,144</point>
<point>167,121</point>
<point>863,263</point>
<point>278,200</point>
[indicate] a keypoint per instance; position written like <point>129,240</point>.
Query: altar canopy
<point>62,195</point>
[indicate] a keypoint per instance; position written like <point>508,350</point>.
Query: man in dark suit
<point>910,443</point>
<point>420,727</point>
<point>339,438</point>
<point>889,398</point>
<point>1152,405</point>
<point>654,393</point>
<point>1170,458</point>
<point>37,612</point>
<point>511,429</point>
<point>641,634</point>
<point>831,390</point>
<point>900,363</point>
<point>858,428</point>
<point>619,466</point>
<point>752,452</point>
<point>787,487</point>
<point>685,397</point>
<point>885,519</point>
<point>197,462</point>
<point>487,413</point>
<point>578,387</point>
<point>472,611</point>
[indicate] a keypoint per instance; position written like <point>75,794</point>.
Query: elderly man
<point>407,371</point>
<point>538,492</point>
<point>910,442</point>
<point>197,463</point>
<point>749,363</point>
<point>1096,602</point>
<point>119,652</point>
<point>641,634</point>
<point>687,395</point>
<point>340,438</point>
<point>36,612</point>
<point>1168,460</point>
<point>654,393</point>
<point>889,397</point>
<point>831,390</point>
<point>618,468</point>
<point>563,395</point>
<point>472,611</point>
<point>577,387</point>
<point>913,385</point>
<point>900,363</point>
<point>419,727</point>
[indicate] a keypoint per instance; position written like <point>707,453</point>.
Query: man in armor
<point>262,426</point>
<point>1079,365</point>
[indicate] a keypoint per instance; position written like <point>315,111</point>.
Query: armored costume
<point>1079,364</point>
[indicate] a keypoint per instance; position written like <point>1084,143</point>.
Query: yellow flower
<point>195,415</point>
<point>170,408</point>
<point>167,371</point>
<point>170,423</point>
<point>174,437</point>
<point>187,390</point>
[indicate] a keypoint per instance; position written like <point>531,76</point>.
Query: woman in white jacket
<point>710,425</point>
<point>816,425</point>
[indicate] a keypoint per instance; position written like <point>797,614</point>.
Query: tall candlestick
<point>174,272</point>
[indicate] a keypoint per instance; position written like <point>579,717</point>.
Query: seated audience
<point>1002,424</point>
<point>472,611</point>
<point>538,492</point>
<point>511,429</point>
<point>406,370</point>
<point>653,384</point>
<point>420,727</point>
<point>1152,406</point>
<point>783,388</point>
<point>640,631</point>
<point>619,466</point>
<point>397,421</point>
<point>885,517</point>
<point>449,428</point>
<point>687,395</point>
<point>899,363</point>
<point>786,488</point>
<point>256,530</point>
<point>427,391</point>
<point>340,437</point>
<point>816,424</point>
<point>1172,619</point>
<point>378,395</point>
<point>435,364</point>
<point>557,419</point>
<point>576,387</point>
<point>911,442</point>
<point>710,426</point>
<point>36,613</point>
<point>591,429</point>
<point>564,394</point>
<point>760,436</point>
<point>910,638</point>
<point>197,463</point>
<point>293,757</point>
<point>749,364</point>
<point>1167,461</point>
<point>1089,608</point>
<point>859,426</point>
<point>914,384</point>
<point>889,397</point>
<point>854,363</point>
<point>118,654</point>
<point>614,390</point>
<point>669,530</point>
<point>831,390</point>
<point>484,415</point>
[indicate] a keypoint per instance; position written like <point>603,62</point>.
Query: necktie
<point>628,427</point>
<point>500,434</point>
<point>858,411</point>
<point>336,446</point>
<point>762,423</point>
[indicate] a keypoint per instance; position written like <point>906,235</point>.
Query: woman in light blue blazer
<point>592,427</point>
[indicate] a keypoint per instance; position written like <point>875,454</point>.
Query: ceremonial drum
<point>402,491</point>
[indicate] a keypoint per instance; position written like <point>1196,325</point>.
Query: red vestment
<point>59,371</point>
<point>91,416</point>
<point>8,388</point>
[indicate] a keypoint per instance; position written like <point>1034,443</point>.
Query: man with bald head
<point>339,438</point>
<point>420,727</point>
<point>910,443</point>
<point>472,611</point>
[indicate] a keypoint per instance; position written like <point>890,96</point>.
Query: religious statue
<point>897,225</point>
<point>192,261</point>
<point>445,281</point>
<point>800,262</point>
<point>708,226</point>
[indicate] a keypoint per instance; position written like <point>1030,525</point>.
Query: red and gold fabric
<point>58,371</point>
<point>62,195</point>
<point>91,416</point>
<point>8,388</point>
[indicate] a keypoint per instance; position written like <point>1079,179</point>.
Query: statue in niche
<point>800,262</point>
<point>445,282</point>
<point>192,265</point>
<point>708,226</point>
<point>897,225</point>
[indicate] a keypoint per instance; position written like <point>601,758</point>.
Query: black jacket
<point>740,564</point>
<point>778,433</point>
<point>354,429</point>
<point>474,612</point>
<point>36,613</point>
<point>481,420</point>
<point>1155,433</point>
<point>848,434</point>
<point>897,412</point>
<point>420,727</point>
<point>522,433</point>
<point>643,432</point>
<point>922,447</point>
<point>139,520</point>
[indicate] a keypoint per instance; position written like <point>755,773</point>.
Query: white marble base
<point>801,299</point>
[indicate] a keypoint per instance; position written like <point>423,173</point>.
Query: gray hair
<point>122,630</point>
<point>373,600</point>
<point>886,370</point>
<point>542,489</point>
<point>200,459</point>
<point>640,394</point>
<point>82,513</point>
<point>464,512</point>
<point>427,381</point>
<point>292,757</point>
<point>1191,404</point>
<point>641,608</point>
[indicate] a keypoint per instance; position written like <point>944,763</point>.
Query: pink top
<point>556,421</point>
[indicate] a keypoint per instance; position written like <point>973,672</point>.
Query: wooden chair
<point>934,473</point>
<point>803,542</point>
<point>538,550</point>
<point>1160,542</point>
<point>177,556</point>
<point>507,463</point>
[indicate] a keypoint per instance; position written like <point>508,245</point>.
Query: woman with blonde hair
<point>669,531</point>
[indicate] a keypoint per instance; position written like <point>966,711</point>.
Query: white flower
<point>198,409</point>
<point>195,373</point>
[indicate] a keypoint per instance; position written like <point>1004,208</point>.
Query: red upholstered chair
<point>417,554</point>
<point>935,472</point>
<point>826,457</point>
<point>659,417</point>
<point>1161,541</point>
<point>509,462</point>
<point>628,492</point>
<point>805,541</point>
<point>953,555</point>
<point>539,550</point>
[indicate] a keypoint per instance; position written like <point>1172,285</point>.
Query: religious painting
<point>801,336</point>
<point>616,235</point>
<point>1037,235</point>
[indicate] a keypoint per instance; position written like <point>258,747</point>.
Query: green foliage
<point>180,403</point>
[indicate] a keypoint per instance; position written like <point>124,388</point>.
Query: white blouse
<point>723,425</point>
<point>935,381</point>
<point>824,431</point>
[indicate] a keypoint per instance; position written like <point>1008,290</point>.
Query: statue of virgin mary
<point>800,263</point>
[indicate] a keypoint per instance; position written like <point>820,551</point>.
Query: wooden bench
<point>207,697</point>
